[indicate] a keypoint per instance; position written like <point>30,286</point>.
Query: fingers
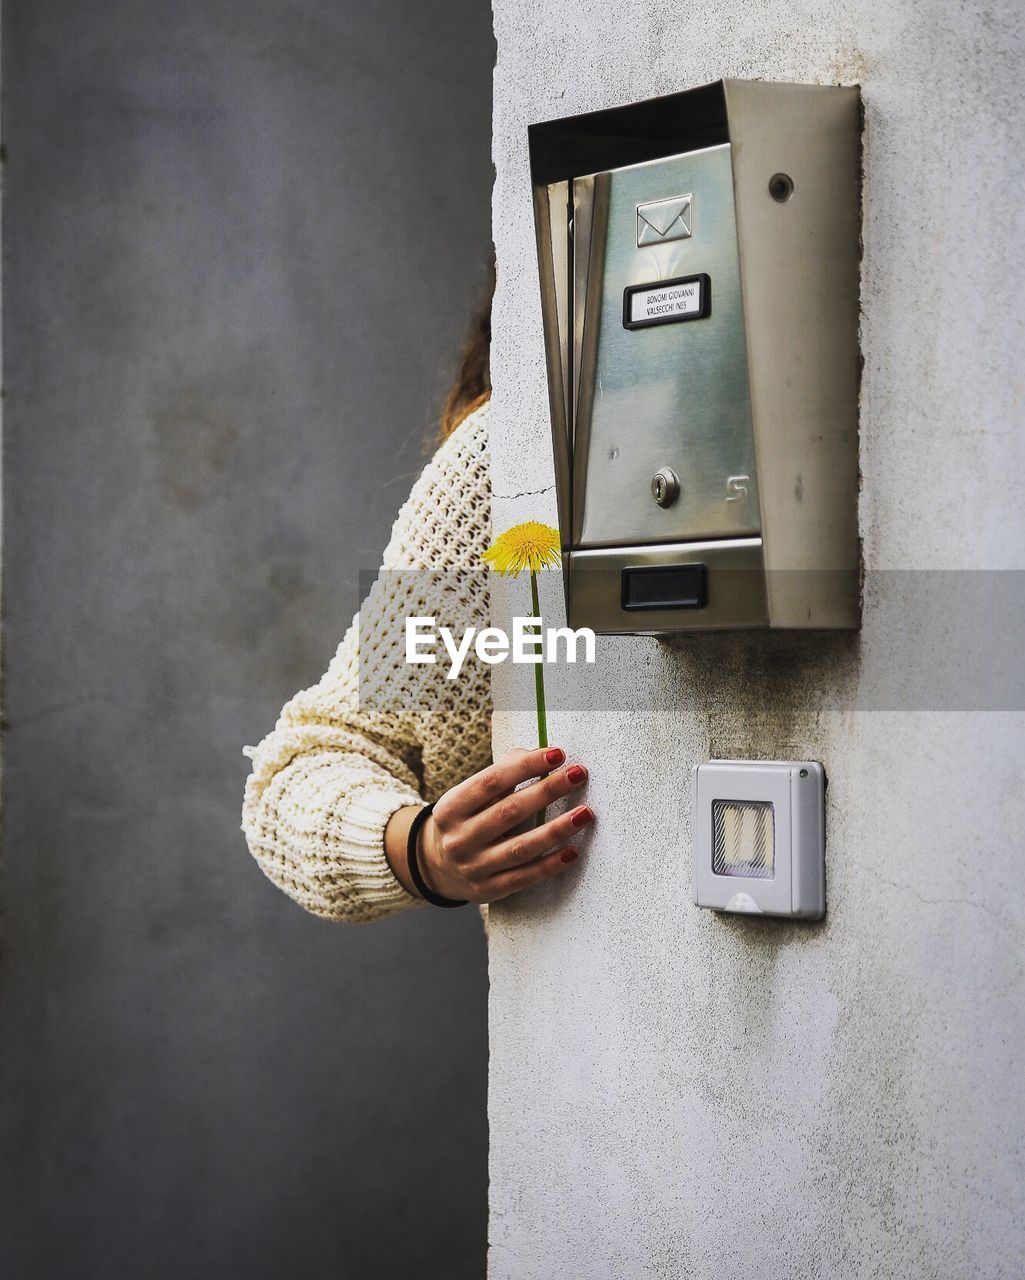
<point>500,779</point>
<point>501,817</point>
<point>473,838</point>
<point>509,882</point>
<point>525,847</point>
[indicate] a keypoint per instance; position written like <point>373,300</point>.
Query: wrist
<point>431,857</point>
<point>415,863</point>
<point>396,833</point>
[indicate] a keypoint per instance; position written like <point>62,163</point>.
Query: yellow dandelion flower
<point>532,546</point>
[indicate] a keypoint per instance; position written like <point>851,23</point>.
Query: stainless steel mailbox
<point>699,263</point>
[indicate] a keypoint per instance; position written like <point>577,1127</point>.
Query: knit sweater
<point>377,733</point>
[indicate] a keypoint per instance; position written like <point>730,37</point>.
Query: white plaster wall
<point>675,1093</point>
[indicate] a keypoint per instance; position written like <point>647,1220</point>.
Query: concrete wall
<point>241,244</point>
<point>675,1093</point>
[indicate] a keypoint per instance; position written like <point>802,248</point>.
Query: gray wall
<point>759,1100</point>
<point>240,246</point>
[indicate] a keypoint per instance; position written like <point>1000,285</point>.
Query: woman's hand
<point>469,848</point>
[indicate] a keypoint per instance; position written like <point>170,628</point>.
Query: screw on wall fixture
<point>781,187</point>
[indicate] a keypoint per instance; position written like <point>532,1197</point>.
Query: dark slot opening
<point>671,586</point>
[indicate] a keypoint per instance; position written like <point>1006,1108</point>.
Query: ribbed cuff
<point>361,838</point>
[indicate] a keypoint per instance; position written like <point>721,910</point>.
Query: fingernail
<point>576,774</point>
<point>568,855</point>
<point>555,756</point>
<point>582,816</point>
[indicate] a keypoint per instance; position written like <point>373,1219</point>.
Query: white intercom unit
<point>699,264</point>
<point>759,837</point>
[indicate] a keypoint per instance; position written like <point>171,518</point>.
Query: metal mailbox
<point>699,263</point>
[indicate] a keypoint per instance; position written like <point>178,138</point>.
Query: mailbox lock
<point>665,487</point>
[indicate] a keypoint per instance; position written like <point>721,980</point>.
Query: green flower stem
<point>539,673</point>
<point>539,684</point>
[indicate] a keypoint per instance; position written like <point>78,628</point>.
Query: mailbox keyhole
<point>665,487</point>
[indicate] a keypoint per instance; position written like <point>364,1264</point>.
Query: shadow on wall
<point>761,695</point>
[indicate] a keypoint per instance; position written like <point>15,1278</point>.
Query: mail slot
<point>699,267</point>
<point>673,586</point>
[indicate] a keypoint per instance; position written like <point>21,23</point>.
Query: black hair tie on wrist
<point>415,874</point>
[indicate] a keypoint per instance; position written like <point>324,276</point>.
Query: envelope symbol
<point>662,220</point>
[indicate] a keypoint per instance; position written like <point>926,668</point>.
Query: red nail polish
<point>568,855</point>
<point>555,756</point>
<point>582,816</point>
<point>576,775</point>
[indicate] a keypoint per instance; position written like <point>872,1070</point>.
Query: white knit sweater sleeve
<point>377,733</point>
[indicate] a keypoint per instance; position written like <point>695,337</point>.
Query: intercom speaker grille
<point>743,838</point>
